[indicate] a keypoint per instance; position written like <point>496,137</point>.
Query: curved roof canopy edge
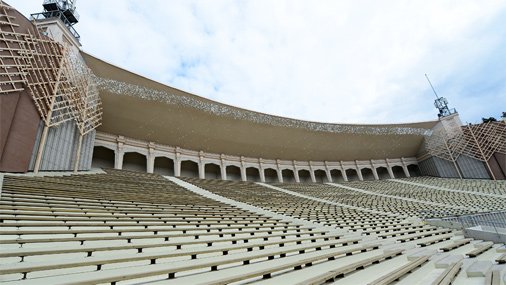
<point>140,108</point>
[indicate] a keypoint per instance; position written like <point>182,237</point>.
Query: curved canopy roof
<point>140,108</point>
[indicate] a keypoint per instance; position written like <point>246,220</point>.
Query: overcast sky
<point>331,61</point>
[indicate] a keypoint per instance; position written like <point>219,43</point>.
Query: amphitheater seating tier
<point>125,226</point>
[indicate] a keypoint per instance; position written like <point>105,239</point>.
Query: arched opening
<point>304,176</point>
<point>134,161</point>
<point>102,157</point>
<point>233,173</point>
<point>398,172</point>
<point>189,169</point>
<point>414,170</point>
<point>320,176</point>
<point>336,175</point>
<point>252,174</point>
<point>352,175</point>
<point>271,175</point>
<point>383,173</point>
<point>164,166</point>
<point>212,171</point>
<point>288,176</point>
<point>367,174</point>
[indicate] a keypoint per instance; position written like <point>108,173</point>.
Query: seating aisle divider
<point>252,208</point>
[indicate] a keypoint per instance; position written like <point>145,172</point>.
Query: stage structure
<point>472,151</point>
<point>61,86</point>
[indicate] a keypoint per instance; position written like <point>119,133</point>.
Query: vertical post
<point>118,161</point>
<point>359,171</point>
<point>223,169</point>
<point>177,166</point>
<point>279,172</point>
<point>343,172</point>
<point>242,168</point>
<point>78,155</point>
<point>150,167</point>
<point>374,171</point>
<point>405,168</point>
<point>201,166</point>
<point>311,172</point>
<point>295,172</point>
<point>150,161</point>
<point>389,169</point>
<point>261,170</point>
<point>41,149</point>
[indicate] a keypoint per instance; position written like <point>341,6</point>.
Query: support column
<point>343,172</point>
<point>280,174</point>
<point>177,163</point>
<point>374,172</point>
<point>405,168</point>
<point>243,170</point>
<point>327,172</point>
<point>119,152</point>
<point>389,169</point>
<point>359,172</point>
<point>150,167</point>
<point>261,170</point>
<point>311,172</point>
<point>202,165</point>
<point>118,159</point>
<point>296,172</point>
<point>223,168</point>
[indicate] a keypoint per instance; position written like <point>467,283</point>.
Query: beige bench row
<point>89,250</point>
<point>193,253</point>
<point>331,276</point>
<point>172,269</point>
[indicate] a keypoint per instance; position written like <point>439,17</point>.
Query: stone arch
<point>134,161</point>
<point>271,175</point>
<point>253,174</point>
<point>102,157</point>
<point>352,174</point>
<point>398,172</point>
<point>305,176</point>
<point>320,176</point>
<point>164,166</point>
<point>233,172</point>
<point>189,168</point>
<point>382,172</point>
<point>212,171</point>
<point>288,176</point>
<point>367,174</point>
<point>336,175</point>
<point>414,170</point>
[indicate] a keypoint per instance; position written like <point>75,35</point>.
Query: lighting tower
<point>65,10</point>
<point>441,103</point>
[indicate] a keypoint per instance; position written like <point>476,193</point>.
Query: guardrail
<point>486,226</point>
<point>59,15</point>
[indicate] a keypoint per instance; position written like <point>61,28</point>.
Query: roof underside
<point>137,107</point>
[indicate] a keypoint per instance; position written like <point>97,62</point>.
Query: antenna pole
<point>433,90</point>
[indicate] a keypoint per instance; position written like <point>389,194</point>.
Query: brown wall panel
<point>7,110</point>
<point>18,115</point>
<point>498,165</point>
<point>20,138</point>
